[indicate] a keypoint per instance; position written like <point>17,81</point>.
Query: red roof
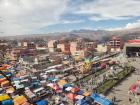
<point>133,41</point>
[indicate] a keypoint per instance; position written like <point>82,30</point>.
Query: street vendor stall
<point>81,102</point>
<point>71,96</point>
<point>79,97</point>
<point>4,97</point>
<point>100,100</point>
<point>42,102</point>
<point>133,88</point>
<point>7,102</point>
<point>10,90</point>
<point>19,100</point>
<point>75,89</point>
<point>5,84</point>
<point>86,93</point>
<point>61,83</point>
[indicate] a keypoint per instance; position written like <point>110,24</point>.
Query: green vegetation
<point>109,84</point>
<point>88,77</point>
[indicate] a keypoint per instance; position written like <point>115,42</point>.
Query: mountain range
<point>91,34</point>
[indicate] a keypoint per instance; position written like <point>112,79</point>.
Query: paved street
<point>121,90</point>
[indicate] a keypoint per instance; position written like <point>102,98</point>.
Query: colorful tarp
<point>74,89</point>
<point>19,100</point>
<point>133,88</point>
<point>4,97</point>
<point>86,94</point>
<point>61,83</point>
<point>10,90</point>
<point>100,100</point>
<point>71,96</point>
<point>42,102</point>
<point>5,83</point>
<point>7,102</point>
<point>81,102</point>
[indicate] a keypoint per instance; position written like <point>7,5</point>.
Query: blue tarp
<point>51,78</point>
<point>35,84</point>
<point>80,92</point>
<point>1,77</point>
<point>42,102</point>
<point>82,102</point>
<point>16,79</point>
<point>67,85</point>
<point>100,99</point>
<point>7,102</point>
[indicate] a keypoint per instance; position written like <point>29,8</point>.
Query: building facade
<point>132,48</point>
<point>52,45</point>
<point>115,44</point>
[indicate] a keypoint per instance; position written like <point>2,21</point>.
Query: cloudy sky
<point>43,16</point>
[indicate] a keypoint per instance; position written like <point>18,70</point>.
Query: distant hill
<point>91,34</point>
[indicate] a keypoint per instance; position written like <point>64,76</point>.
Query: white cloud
<point>26,16</point>
<point>133,25</point>
<point>111,9</point>
<point>128,26</point>
<point>71,21</point>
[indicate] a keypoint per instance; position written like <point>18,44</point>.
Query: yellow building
<point>101,48</point>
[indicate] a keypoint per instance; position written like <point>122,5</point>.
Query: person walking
<point>114,99</point>
<point>130,100</point>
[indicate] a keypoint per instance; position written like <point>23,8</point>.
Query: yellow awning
<point>5,82</point>
<point>62,82</point>
<point>4,97</point>
<point>10,90</point>
<point>19,100</point>
<point>86,93</point>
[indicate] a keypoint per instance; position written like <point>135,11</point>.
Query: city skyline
<point>44,16</point>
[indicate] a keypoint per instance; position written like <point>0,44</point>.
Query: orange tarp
<point>2,80</point>
<point>62,82</point>
<point>4,66</point>
<point>5,83</point>
<point>71,96</point>
<point>26,103</point>
<point>19,100</point>
<point>74,90</point>
<point>86,93</point>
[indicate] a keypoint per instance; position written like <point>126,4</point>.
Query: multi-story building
<point>132,48</point>
<point>21,52</point>
<point>31,45</point>
<point>52,45</point>
<point>3,42</point>
<point>102,48</point>
<point>22,44</point>
<point>115,44</point>
<point>64,47</point>
<point>81,49</point>
<point>27,44</point>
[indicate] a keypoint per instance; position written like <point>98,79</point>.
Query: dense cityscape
<point>69,72</point>
<point>69,52</point>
